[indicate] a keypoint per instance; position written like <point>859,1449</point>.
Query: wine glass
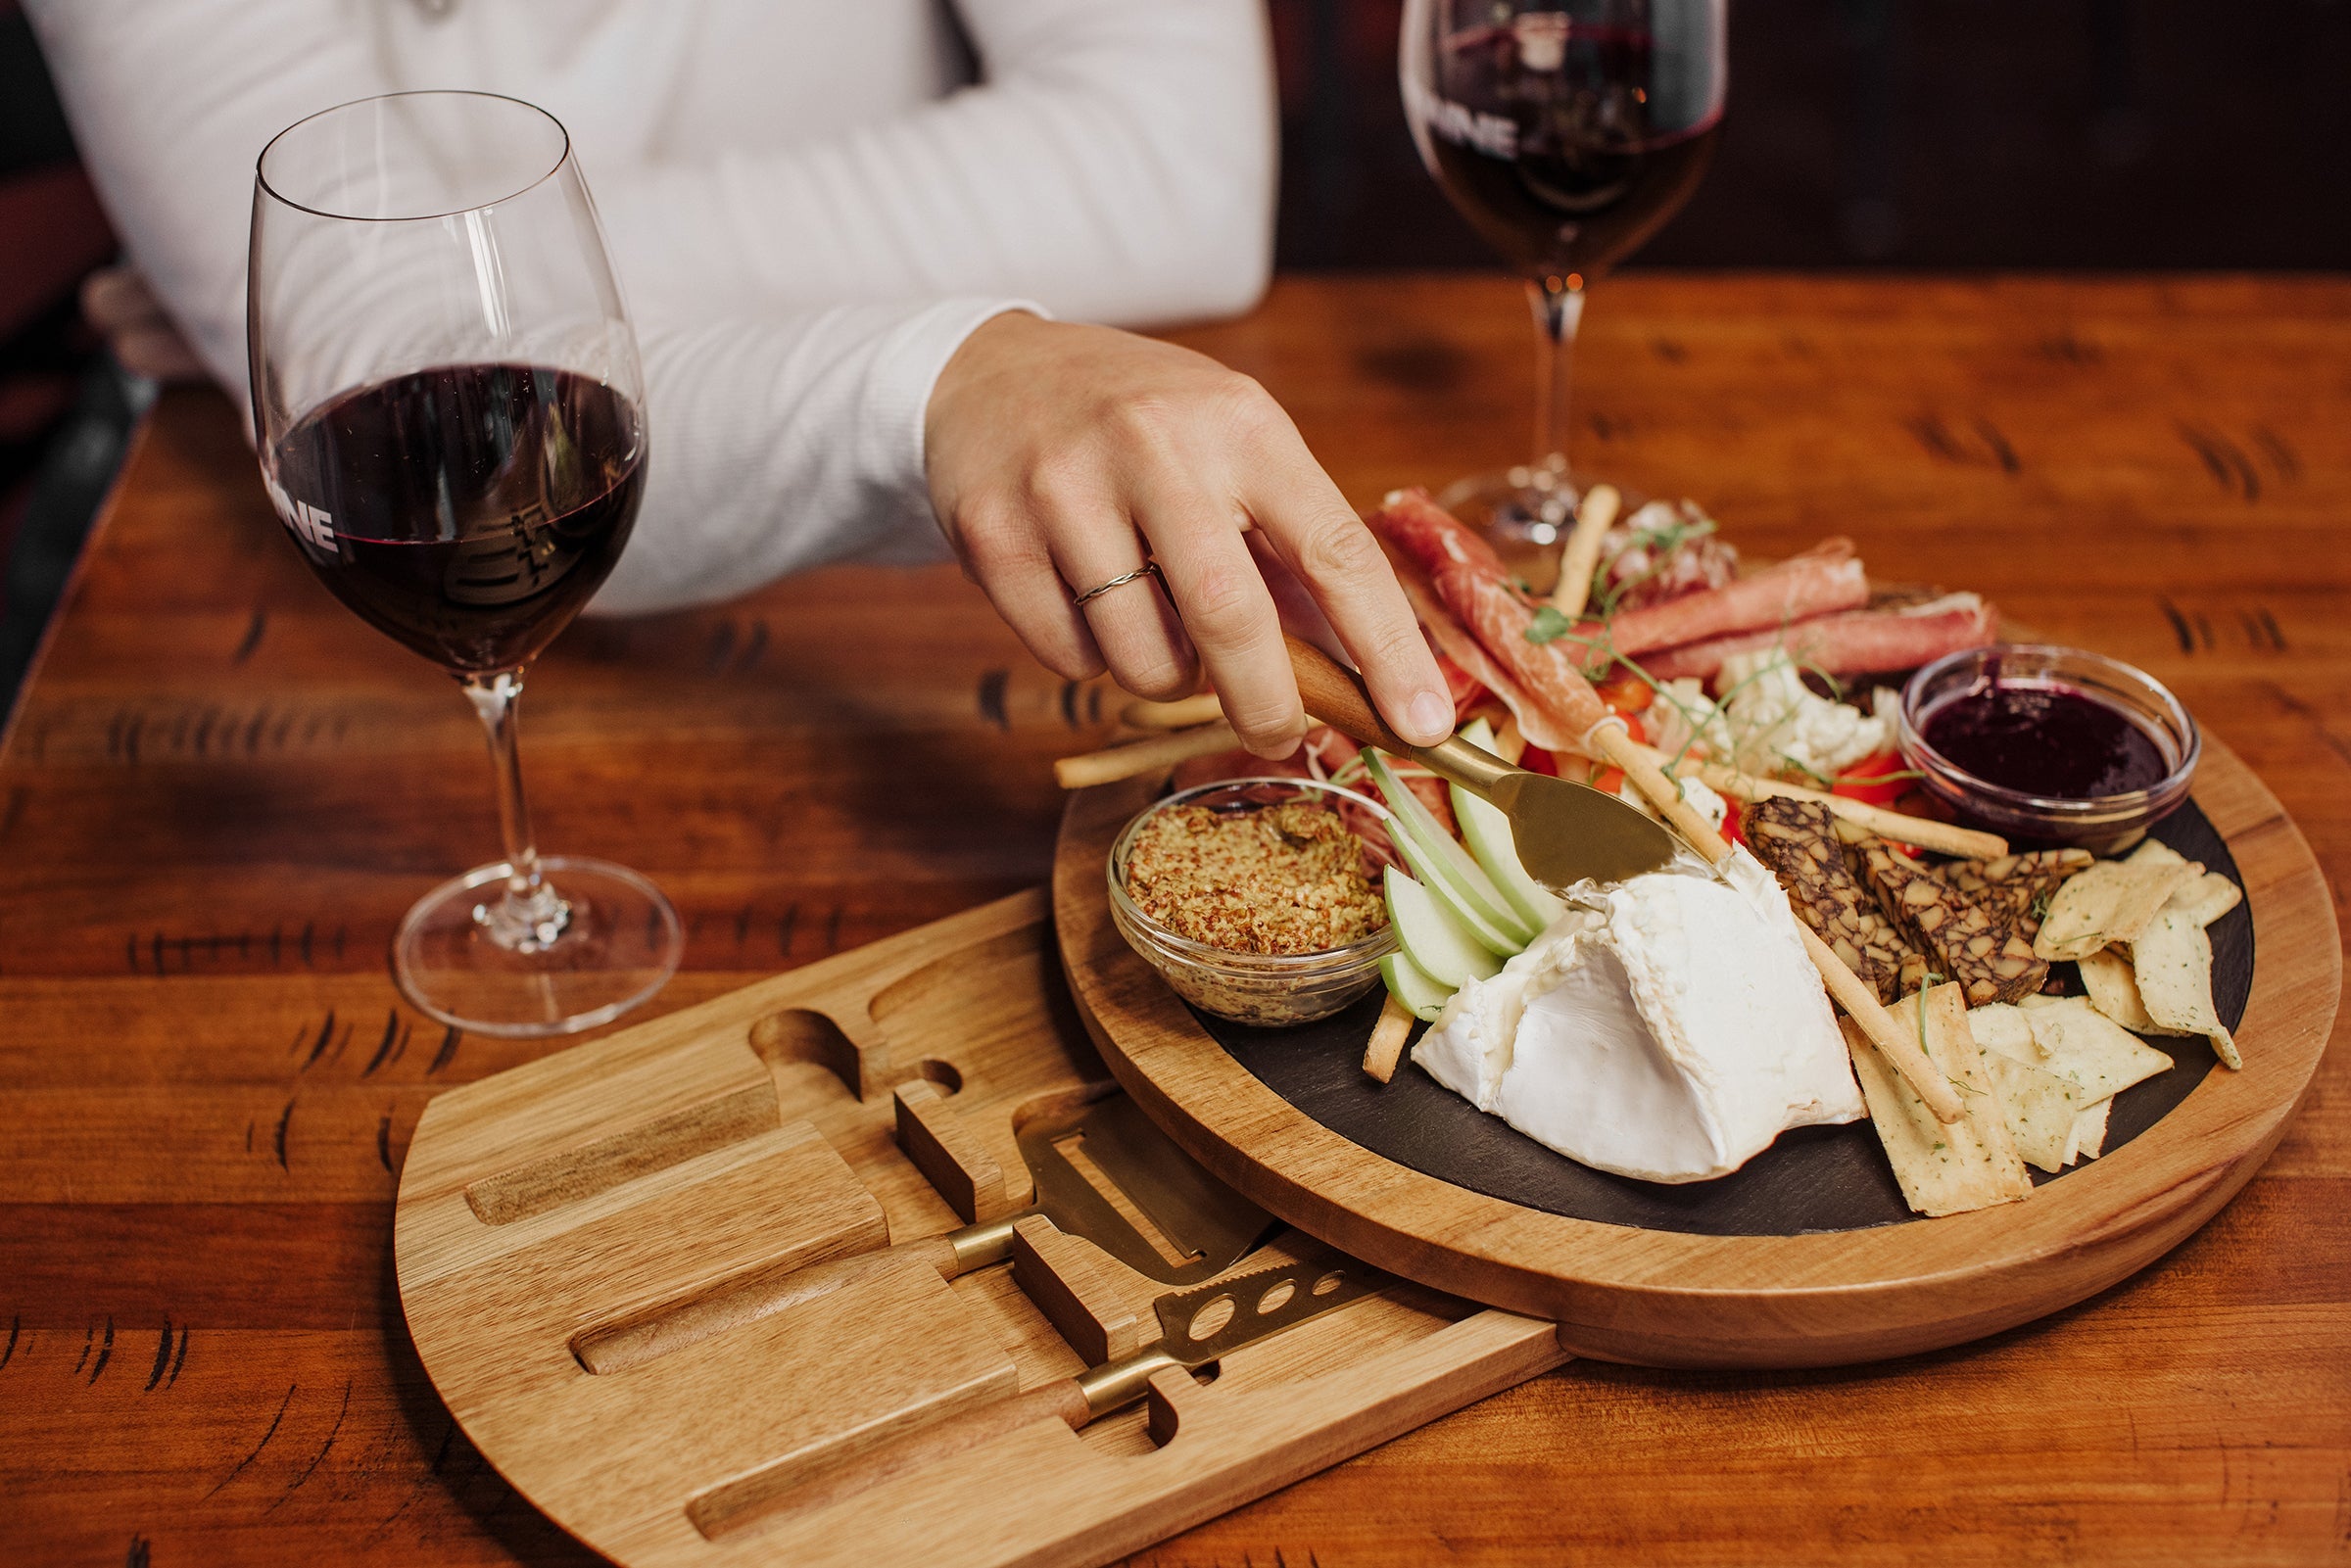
<point>1566,132</point>
<point>450,418</point>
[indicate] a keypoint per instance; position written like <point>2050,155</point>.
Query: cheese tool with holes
<point>1206,1228</point>
<point>1197,1326</point>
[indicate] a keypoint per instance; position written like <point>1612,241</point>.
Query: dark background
<point>1921,134</point>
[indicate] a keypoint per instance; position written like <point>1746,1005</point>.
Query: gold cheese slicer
<point>1206,1224</point>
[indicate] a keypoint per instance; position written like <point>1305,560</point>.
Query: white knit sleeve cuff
<point>896,401</point>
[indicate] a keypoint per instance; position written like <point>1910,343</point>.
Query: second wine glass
<point>448,411</point>
<point>1566,132</point>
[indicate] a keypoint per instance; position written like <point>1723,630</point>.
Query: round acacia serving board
<point>1807,1266</point>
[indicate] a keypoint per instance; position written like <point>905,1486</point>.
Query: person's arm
<point>1116,162</point>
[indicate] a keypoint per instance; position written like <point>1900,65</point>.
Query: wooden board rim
<point>1678,1298</point>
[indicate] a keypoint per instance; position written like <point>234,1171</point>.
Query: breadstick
<point>1579,556</point>
<point>1143,756</point>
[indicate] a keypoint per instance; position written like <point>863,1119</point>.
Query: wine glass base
<point>1526,513</point>
<point>620,944</point>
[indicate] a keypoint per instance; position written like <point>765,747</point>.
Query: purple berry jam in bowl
<point>2050,746</point>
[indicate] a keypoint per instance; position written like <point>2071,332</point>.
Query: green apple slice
<point>1486,829</point>
<point>1422,995</point>
<point>1440,861</point>
<point>1436,942</point>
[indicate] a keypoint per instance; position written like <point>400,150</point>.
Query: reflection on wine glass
<point>1566,132</point>
<point>449,412</point>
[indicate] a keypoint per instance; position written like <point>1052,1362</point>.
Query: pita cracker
<point>2172,960</point>
<point>2114,991</point>
<point>2002,1028</point>
<point>2154,851</point>
<point>1971,1163</point>
<point>2042,1109</point>
<point>2111,902</point>
<point>2206,898</point>
<point>2088,1139</point>
<point>2081,1043</point>
<point>2041,999</point>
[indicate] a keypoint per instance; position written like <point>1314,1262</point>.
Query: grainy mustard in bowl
<point>1255,898</point>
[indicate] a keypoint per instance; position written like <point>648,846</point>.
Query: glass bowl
<point>1246,987</point>
<point>2102,823</point>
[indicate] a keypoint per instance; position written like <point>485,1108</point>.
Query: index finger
<point>1322,539</point>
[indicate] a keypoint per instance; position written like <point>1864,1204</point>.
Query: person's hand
<point>1063,456</point>
<point>120,309</point>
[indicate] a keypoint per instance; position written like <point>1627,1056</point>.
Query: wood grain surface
<point>220,790</point>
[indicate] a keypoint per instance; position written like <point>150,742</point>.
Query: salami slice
<point>1852,642</point>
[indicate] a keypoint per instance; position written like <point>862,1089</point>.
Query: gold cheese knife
<point>1567,831</point>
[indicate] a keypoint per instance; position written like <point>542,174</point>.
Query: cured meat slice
<point>1432,536</point>
<point>1453,641</point>
<point>1825,578</point>
<point>1469,580</point>
<point>1499,615</point>
<point>1854,643</point>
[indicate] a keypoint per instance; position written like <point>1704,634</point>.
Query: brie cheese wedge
<point>1668,1027</point>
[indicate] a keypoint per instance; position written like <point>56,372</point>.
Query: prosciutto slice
<point>1850,642</point>
<point>1824,579</point>
<point>1457,644</point>
<point>1469,581</point>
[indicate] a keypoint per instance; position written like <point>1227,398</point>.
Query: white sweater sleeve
<point>1117,164</point>
<point>794,306</point>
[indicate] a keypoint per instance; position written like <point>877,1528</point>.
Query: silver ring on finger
<point>1147,569</point>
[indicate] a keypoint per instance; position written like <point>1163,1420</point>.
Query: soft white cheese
<point>1669,1027</point>
<point>1775,723</point>
<point>1695,795</point>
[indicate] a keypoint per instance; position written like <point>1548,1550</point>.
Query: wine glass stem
<point>1558,306</point>
<point>531,915</point>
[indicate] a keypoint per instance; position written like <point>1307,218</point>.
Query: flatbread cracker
<point>2089,1138</point>
<point>1971,1163</point>
<point>2206,898</point>
<point>2172,960</point>
<point>2003,1028</point>
<point>2042,1109</point>
<point>2079,1042</point>
<point>2114,991</point>
<point>2111,902</point>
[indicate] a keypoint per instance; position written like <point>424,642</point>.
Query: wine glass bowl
<point>1566,132</point>
<point>447,409</point>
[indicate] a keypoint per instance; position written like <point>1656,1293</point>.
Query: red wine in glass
<point>1566,132</point>
<point>468,512</point>
<point>449,410</point>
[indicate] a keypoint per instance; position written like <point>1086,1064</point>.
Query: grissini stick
<point>1143,756</point>
<point>1388,1035</point>
<point>1567,831</point>
<point>1181,714</point>
<point>1579,556</point>
<point>1942,837</point>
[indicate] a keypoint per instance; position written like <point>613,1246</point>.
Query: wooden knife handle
<point>730,1507</point>
<point>1335,695</point>
<point>657,1331</point>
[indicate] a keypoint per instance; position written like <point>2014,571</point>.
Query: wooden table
<point>220,790</point>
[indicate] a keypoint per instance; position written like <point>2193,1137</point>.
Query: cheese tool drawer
<point>699,1289</point>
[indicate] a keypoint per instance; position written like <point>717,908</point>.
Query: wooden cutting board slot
<point>553,1180</point>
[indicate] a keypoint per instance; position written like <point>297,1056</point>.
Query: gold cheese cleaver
<point>1564,831</point>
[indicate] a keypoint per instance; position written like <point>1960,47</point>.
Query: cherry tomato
<point>1609,781</point>
<point>1868,781</point>
<point>1537,760</point>
<point>1626,692</point>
